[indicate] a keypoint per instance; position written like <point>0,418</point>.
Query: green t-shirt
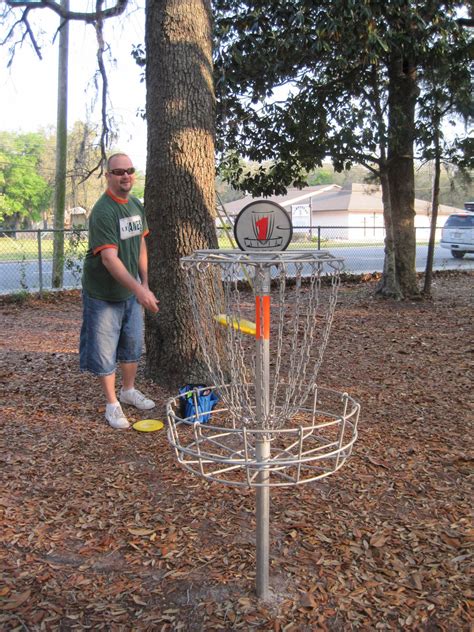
<point>117,224</point>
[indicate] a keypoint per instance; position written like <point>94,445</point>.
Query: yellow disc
<point>240,324</point>
<point>148,425</point>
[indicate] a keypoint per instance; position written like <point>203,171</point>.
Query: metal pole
<point>40,263</point>
<point>61,154</point>
<point>262,395</point>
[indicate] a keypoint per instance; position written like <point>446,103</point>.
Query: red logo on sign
<point>262,228</point>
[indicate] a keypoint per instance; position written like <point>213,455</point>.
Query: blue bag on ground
<point>206,400</point>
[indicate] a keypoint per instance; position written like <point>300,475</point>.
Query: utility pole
<point>61,154</point>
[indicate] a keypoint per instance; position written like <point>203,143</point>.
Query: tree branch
<point>95,18</point>
<point>87,17</point>
<point>28,31</point>
<point>465,21</point>
<point>105,132</point>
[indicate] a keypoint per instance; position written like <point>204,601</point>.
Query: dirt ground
<point>101,529</point>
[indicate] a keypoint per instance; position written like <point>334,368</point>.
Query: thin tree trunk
<point>403,92</point>
<point>434,215</point>
<point>180,192</point>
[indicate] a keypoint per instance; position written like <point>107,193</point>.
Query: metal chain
<point>300,326</point>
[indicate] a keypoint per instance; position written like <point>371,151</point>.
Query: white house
<point>355,209</point>
<point>75,217</point>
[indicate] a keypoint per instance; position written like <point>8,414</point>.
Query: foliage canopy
<point>330,63</point>
<point>25,194</point>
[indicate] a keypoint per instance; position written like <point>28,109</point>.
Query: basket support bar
<point>262,448</point>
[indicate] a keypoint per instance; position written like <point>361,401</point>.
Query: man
<point>113,297</point>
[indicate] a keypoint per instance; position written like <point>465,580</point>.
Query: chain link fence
<point>26,259</point>
<point>26,256</point>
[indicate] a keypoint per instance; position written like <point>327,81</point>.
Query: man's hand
<point>144,295</point>
<point>147,299</point>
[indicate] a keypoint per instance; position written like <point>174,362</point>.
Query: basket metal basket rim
<point>267,258</point>
<point>210,427</point>
<point>302,454</point>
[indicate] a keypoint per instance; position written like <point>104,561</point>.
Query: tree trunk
<point>434,214</point>
<point>388,286</point>
<point>403,92</point>
<point>179,192</point>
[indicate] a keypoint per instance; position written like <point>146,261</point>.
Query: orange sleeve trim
<point>262,320</point>
<point>115,198</point>
<point>146,233</point>
<point>99,248</point>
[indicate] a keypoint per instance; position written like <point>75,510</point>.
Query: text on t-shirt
<point>131,226</point>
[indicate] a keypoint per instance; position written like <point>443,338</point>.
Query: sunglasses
<point>122,172</point>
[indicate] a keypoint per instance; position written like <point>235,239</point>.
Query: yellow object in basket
<point>240,324</point>
<point>148,425</point>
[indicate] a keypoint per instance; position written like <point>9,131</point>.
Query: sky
<point>28,88</point>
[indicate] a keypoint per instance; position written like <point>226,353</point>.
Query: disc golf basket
<point>263,320</point>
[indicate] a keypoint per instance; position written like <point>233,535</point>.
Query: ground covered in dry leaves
<point>101,529</point>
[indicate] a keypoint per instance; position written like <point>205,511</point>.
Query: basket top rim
<point>220,256</point>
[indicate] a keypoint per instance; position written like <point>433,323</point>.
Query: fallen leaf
<point>308,601</point>
<point>16,601</point>
<point>141,531</point>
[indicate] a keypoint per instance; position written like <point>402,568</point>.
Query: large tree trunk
<point>403,92</point>
<point>179,193</point>
<point>388,286</point>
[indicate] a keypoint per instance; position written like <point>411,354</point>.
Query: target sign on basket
<point>263,225</point>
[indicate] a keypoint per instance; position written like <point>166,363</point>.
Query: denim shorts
<point>111,332</point>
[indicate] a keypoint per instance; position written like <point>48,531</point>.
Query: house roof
<point>352,198</point>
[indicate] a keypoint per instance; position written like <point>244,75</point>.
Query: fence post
<point>319,237</point>
<point>40,264</point>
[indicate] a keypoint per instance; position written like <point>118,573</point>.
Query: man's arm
<point>120,273</point>
<point>143,262</point>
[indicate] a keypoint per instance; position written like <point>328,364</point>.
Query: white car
<point>457,234</point>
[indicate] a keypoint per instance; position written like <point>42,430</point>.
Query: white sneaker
<point>137,399</point>
<point>115,417</point>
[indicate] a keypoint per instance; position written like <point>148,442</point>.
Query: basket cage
<point>224,290</point>
<point>314,444</point>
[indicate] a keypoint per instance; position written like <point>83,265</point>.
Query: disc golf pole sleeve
<point>262,317</point>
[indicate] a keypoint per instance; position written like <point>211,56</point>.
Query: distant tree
<point>82,186</point>
<point>24,194</point>
<point>455,186</point>
<point>323,175</point>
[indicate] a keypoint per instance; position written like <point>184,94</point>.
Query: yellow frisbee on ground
<point>148,425</point>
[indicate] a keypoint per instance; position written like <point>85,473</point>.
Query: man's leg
<point>100,333</point>
<point>129,371</point>
<point>108,386</point>
<point>128,394</point>
<point>128,354</point>
<point>113,411</point>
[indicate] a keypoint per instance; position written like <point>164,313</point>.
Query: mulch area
<point>101,529</point>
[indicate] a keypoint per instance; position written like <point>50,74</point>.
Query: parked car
<point>458,234</point>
